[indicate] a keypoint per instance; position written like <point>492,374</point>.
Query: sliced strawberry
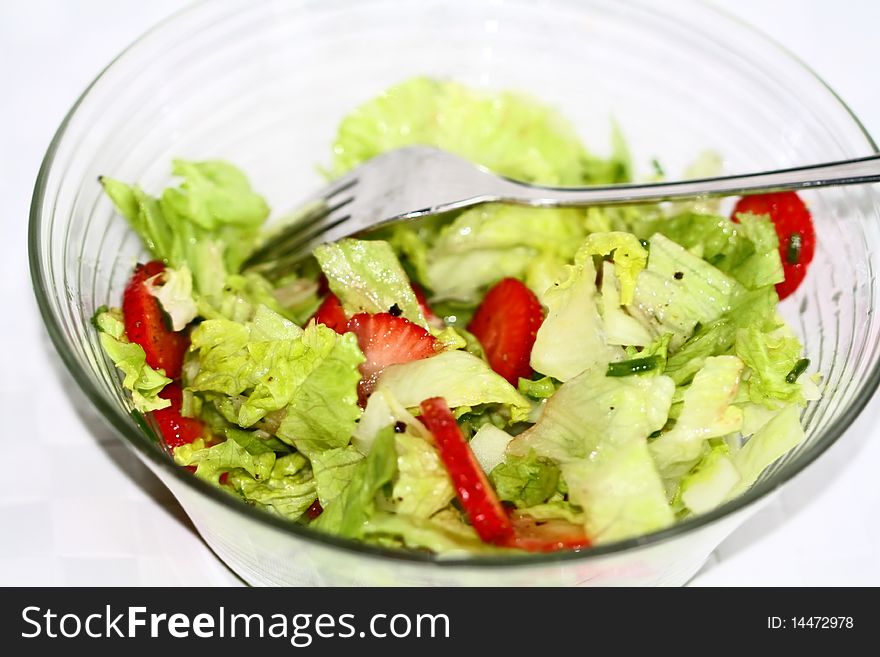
<point>549,536</point>
<point>506,323</point>
<point>176,429</point>
<point>330,314</point>
<point>794,226</point>
<point>474,491</point>
<point>145,323</point>
<point>388,340</point>
<point>423,303</point>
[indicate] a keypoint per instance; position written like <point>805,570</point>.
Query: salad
<point>500,379</point>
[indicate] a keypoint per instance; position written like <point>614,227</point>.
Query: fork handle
<point>846,172</point>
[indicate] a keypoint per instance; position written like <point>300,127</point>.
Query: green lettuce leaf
<point>777,437</point>
<point>211,462</point>
<point>383,410</point>
<point>627,253</point>
<point>323,411</point>
<point>679,290</point>
<point>707,413</point>
<point>571,338</point>
<point>311,374</point>
<point>764,266</point>
<point>333,470</point>
<point>288,491</point>
<point>770,357</point>
<point>175,294</point>
<point>753,308</point>
<point>710,482</point>
<point>525,480</point>
<point>141,380</point>
<point>488,243</point>
<point>422,486</point>
<point>747,251</point>
<point>595,428</point>
<point>210,222</point>
<point>443,534</point>
<point>457,376</point>
<point>487,128</point>
<point>347,514</point>
<point>368,278</point>
<point>488,445</point>
<point>620,327</point>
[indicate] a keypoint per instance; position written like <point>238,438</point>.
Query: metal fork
<point>418,181</point>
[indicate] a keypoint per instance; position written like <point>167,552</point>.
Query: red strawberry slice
<point>549,536</point>
<point>176,429</point>
<point>794,226</point>
<point>506,324</point>
<point>474,491</point>
<point>331,314</point>
<point>387,340</point>
<point>145,323</point>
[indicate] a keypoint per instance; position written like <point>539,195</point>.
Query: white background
<point>77,508</point>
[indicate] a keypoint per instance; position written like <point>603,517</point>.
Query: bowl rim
<point>138,439</point>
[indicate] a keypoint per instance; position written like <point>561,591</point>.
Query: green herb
<point>799,368</point>
<point>793,252</point>
<point>634,366</point>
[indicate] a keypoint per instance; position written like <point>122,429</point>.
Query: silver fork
<point>418,181</point>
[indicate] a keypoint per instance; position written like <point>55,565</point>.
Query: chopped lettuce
<point>383,410</point>
<point>175,295</point>
<point>764,266</point>
<point>770,357</point>
<point>313,374</point>
<point>422,486</point>
<point>678,290</point>
<point>487,128</point>
<point>747,251</point>
<point>368,278</point>
<point>620,327</point>
<point>288,491</point>
<point>333,469</point>
<point>488,445</point>
<point>596,428</point>
<point>525,480</point>
<point>710,482</point>
<point>707,413</point>
<point>210,223</point>
<point>488,243</point>
<point>141,380</point>
<point>571,338</point>
<point>484,244</point>
<point>777,437</point>
<point>627,253</point>
<point>348,513</point>
<point>443,534</point>
<point>457,376</point>
<point>213,461</point>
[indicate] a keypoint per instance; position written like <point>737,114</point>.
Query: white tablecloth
<point>77,507</point>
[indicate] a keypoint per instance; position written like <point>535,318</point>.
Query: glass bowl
<point>264,85</point>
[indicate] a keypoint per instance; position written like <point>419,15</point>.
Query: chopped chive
<point>799,368</point>
<point>793,252</point>
<point>658,169</point>
<point>633,366</point>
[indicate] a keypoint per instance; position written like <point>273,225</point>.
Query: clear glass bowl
<point>265,85</point>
